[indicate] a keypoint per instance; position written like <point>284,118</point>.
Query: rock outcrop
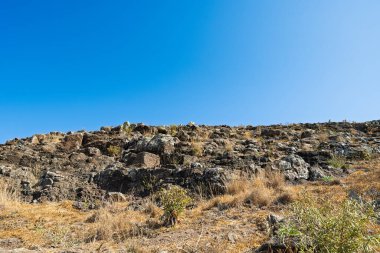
<point>138,159</point>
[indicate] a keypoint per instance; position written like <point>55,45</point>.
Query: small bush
<point>173,200</point>
<point>114,150</point>
<point>126,128</point>
<point>338,161</point>
<point>327,227</point>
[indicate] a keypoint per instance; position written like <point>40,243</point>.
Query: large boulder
<point>294,167</point>
<point>72,142</point>
<point>160,144</point>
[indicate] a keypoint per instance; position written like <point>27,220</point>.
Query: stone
<point>316,173</point>
<point>144,160</point>
<point>49,148</point>
<point>92,151</point>
<point>160,144</point>
<point>294,167</point>
<point>72,141</point>
<point>307,133</point>
<point>10,242</point>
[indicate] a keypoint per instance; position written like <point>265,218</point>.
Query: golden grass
<point>8,195</point>
<point>248,135</point>
<point>228,146</point>
<point>263,190</point>
<point>197,148</point>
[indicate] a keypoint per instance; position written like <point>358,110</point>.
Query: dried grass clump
<point>8,195</point>
<point>248,135</point>
<point>228,146</point>
<point>197,148</point>
<point>117,226</point>
<point>151,209</point>
<point>263,190</point>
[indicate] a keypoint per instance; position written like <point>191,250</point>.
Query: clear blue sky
<point>70,65</point>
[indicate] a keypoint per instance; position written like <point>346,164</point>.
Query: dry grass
<point>248,135</point>
<point>242,211</point>
<point>228,146</point>
<point>7,193</point>
<point>263,190</point>
<point>117,225</point>
<point>151,209</point>
<point>197,148</point>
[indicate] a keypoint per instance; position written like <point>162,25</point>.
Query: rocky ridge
<point>138,159</point>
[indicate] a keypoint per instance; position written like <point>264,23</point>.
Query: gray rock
<point>143,160</point>
<point>159,144</point>
<point>294,167</point>
<point>316,173</point>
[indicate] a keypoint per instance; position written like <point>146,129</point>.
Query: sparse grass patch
<point>338,161</point>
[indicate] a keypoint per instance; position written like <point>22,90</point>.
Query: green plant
<point>327,227</point>
<point>327,179</point>
<point>174,201</point>
<point>114,150</point>
<point>127,128</point>
<point>337,161</point>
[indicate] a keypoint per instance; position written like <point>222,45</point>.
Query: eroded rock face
<point>144,181</point>
<point>80,166</point>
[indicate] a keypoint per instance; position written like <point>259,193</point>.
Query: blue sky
<point>71,65</point>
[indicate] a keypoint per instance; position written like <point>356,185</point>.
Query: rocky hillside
<point>138,159</point>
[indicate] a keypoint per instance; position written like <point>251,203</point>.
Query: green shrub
<point>127,128</point>
<point>114,150</point>
<point>328,179</point>
<point>173,201</point>
<point>338,161</point>
<point>327,227</point>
